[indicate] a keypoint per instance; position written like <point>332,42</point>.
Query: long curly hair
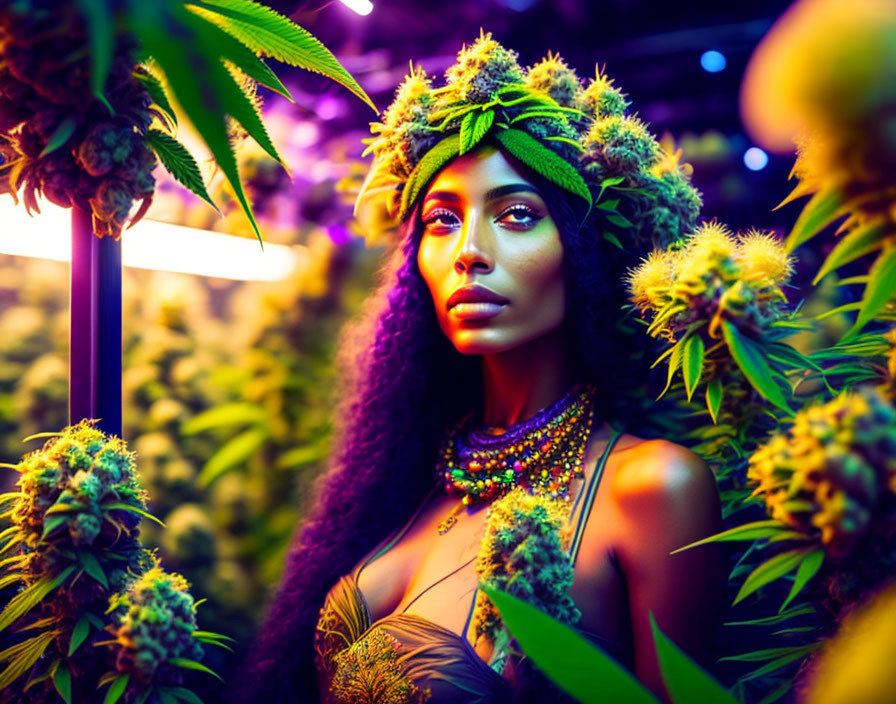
<point>404,384</point>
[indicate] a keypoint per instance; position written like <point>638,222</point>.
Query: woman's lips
<point>479,310</point>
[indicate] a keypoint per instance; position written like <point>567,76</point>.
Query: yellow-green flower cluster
<point>372,671</point>
<point>405,134</point>
<point>71,487</point>
<point>552,76</point>
<point>524,554</point>
<point>153,623</point>
<point>832,476</point>
<point>712,275</point>
<point>601,99</point>
<point>480,71</point>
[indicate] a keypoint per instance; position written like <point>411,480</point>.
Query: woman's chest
<point>434,575</point>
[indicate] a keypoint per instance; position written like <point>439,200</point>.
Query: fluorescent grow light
<point>149,245</point>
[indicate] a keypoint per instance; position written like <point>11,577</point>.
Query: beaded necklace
<point>543,454</point>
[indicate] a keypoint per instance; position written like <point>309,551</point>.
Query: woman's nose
<point>474,250</point>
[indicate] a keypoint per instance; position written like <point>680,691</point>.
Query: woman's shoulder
<point>659,472</point>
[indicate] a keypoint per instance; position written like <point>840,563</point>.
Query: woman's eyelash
<point>438,214</point>
<point>520,210</point>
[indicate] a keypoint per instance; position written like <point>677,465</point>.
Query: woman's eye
<point>519,217</point>
<point>441,220</point>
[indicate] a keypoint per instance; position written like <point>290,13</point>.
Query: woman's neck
<point>520,382</point>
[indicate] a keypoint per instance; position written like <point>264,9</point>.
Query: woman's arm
<point>666,497</point>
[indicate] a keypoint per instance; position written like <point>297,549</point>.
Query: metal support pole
<point>95,335</point>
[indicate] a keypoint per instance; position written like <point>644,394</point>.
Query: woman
<point>493,338</point>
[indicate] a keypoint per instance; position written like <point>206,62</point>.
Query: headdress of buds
<point>574,135</point>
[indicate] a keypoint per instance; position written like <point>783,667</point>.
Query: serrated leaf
<point>201,91</point>
<point>857,243</point>
<point>92,567</point>
<point>769,571</point>
<point>767,654</point>
<point>674,364</point>
<point>692,363</point>
<point>101,38</point>
<point>714,398</point>
<point>60,136</point>
<point>685,681</point>
<point>466,133</point>
<point>185,695</point>
<point>29,654</point>
<point>156,91</point>
<point>116,689</point>
<point>62,681</point>
<point>612,239</point>
<point>271,34</point>
<point>566,657</point>
<point>484,122</point>
<point>241,56</point>
<point>544,162</point>
<point>785,354</point>
<point>779,662</point>
<point>881,288</point>
<point>26,600</point>
<point>807,570</point>
<point>748,531</point>
<point>134,509</point>
<point>426,170</point>
<point>79,634</point>
<point>619,220</point>
<point>792,612</point>
<point>751,360</point>
<point>234,99</point>
<point>211,634</point>
<point>188,664</point>
<point>234,452</point>
<point>821,210</point>
<point>179,162</point>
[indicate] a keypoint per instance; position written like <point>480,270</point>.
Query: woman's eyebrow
<point>501,191</point>
<point>448,196</point>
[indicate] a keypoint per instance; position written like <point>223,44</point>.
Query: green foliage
<point>566,657</point>
<point>544,162</point>
<point>426,170</point>
<point>685,681</point>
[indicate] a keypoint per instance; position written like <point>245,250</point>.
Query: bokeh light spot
<point>713,61</point>
<point>755,159</point>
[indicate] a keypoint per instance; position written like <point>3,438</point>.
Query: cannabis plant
<point>87,93</point>
<point>80,574</point>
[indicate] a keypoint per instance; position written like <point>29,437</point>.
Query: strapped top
<point>346,621</point>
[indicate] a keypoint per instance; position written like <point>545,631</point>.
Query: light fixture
<point>755,159</point>
<point>713,61</point>
<point>362,7</point>
<point>150,245</point>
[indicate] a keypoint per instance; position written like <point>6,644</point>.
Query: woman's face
<point>491,255</point>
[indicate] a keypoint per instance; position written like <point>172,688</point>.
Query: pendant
<point>449,520</point>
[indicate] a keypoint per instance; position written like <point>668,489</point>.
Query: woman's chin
<point>483,341</point>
